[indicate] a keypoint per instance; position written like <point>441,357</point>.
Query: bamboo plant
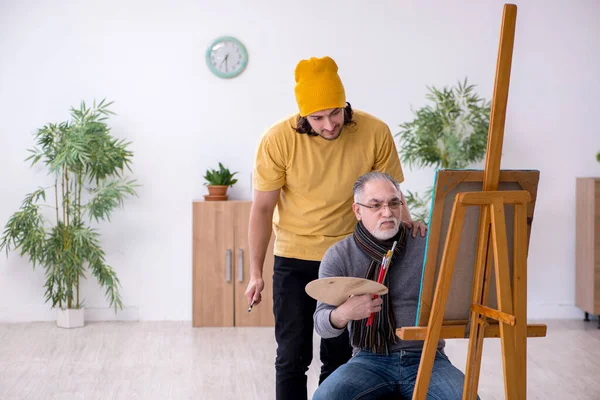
<point>450,133</point>
<point>87,163</point>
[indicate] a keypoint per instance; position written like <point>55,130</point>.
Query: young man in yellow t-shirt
<point>304,171</point>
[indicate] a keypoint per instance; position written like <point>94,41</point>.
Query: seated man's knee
<point>321,394</point>
<point>327,392</point>
<point>335,386</point>
<point>447,381</point>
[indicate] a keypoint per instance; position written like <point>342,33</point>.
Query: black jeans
<point>294,310</point>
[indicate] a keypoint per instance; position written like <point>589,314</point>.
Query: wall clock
<point>226,57</point>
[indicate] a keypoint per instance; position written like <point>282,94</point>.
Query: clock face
<point>226,57</point>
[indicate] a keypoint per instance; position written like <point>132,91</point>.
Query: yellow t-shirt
<point>316,177</point>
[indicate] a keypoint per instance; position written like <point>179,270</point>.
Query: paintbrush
<point>385,263</point>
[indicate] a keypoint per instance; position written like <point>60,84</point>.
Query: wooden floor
<point>172,360</point>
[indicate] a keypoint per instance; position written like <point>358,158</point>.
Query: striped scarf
<point>381,333</point>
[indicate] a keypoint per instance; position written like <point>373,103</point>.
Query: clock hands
<point>225,61</point>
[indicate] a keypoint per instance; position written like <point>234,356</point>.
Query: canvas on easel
<point>448,184</point>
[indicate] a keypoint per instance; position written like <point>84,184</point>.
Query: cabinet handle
<point>241,265</point>
<point>228,266</point>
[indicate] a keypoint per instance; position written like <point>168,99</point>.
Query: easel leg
<point>471,385</point>
<point>520,295</point>
<point>436,316</point>
<point>505,302</point>
<point>480,295</point>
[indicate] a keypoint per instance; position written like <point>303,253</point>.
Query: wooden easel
<point>511,315</point>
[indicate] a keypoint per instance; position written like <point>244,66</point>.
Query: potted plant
<point>218,181</point>
<point>87,163</point>
<point>450,133</point>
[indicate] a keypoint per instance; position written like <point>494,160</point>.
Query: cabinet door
<point>587,245</point>
<point>596,250</point>
<point>261,314</point>
<point>213,257</point>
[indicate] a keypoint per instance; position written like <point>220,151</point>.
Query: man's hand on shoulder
<point>416,226</point>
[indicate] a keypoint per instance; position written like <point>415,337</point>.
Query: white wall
<point>148,56</point>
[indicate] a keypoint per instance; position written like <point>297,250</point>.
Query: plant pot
<point>208,197</point>
<point>69,318</point>
<point>214,190</point>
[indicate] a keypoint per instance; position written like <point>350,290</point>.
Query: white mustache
<point>394,220</point>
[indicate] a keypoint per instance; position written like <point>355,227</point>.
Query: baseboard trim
<point>45,313</point>
<point>553,311</point>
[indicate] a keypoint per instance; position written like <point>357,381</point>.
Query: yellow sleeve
<point>387,158</point>
<point>269,164</point>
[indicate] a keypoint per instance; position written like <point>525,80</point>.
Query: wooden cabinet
<point>587,245</point>
<point>221,267</point>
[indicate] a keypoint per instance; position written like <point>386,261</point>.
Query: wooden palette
<point>336,290</point>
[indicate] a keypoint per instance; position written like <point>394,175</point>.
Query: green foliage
<point>222,177</point>
<point>598,157</point>
<point>418,205</point>
<point>449,133</point>
<point>81,154</point>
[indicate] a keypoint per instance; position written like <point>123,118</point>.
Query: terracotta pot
<point>217,190</point>
<point>209,197</point>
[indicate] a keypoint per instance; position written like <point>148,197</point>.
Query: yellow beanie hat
<point>318,86</point>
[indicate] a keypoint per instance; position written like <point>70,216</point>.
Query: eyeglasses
<point>392,205</point>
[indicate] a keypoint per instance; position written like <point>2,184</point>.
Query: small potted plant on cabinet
<point>218,181</point>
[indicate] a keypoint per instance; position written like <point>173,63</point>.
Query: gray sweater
<point>346,259</point>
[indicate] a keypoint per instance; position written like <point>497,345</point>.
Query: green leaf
<point>107,196</point>
<point>222,177</point>
<point>419,206</point>
<point>449,133</point>
<point>84,157</point>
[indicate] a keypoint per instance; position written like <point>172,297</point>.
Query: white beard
<point>385,234</point>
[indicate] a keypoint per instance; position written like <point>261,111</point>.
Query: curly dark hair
<point>303,126</point>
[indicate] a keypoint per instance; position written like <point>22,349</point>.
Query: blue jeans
<point>369,376</point>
